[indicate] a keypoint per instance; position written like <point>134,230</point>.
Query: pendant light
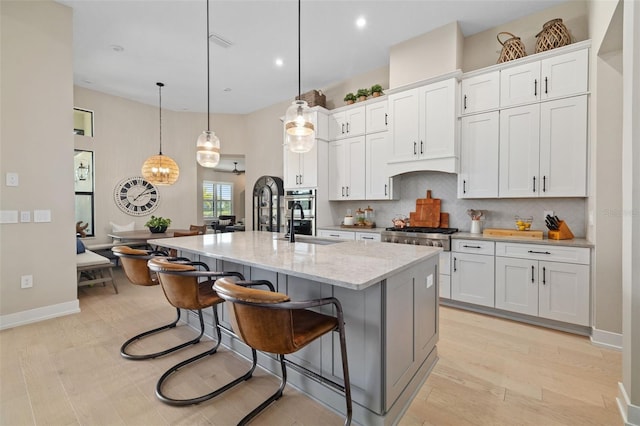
<point>160,169</point>
<point>208,144</point>
<point>300,132</point>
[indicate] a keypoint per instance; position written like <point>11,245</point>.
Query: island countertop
<point>351,264</point>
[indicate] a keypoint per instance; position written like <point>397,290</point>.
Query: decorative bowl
<point>157,229</point>
<point>523,223</point>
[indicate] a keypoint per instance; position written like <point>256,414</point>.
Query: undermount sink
<point>312,240</point>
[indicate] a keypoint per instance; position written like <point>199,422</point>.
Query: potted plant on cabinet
<point>158,225</point>
<point>362,94</point>
<point>350,98</point>
<point>376,90</point>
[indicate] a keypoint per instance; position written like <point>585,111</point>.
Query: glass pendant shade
<point>160,170</point>
<point>208,149</point>
<point>82,173</point>
<point>300,131</point>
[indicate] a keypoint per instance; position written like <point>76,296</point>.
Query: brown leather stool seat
<point>134,264</point>
<point>185,287</point>
<point>271,322</point>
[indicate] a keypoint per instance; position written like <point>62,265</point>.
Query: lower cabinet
<point>545,288</point>
<point>472,272</point>
<point>444,269</point>
<point>349,235</point>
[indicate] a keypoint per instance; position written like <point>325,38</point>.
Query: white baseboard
<point>39,314</point>
<point>606,339</point>
<point>630,413</point>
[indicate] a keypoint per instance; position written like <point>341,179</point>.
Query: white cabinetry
<point>347,123</point>
<point>543,149</point>
<point>472,272</point>
<point>422,122</point>
<point>444,268</point>
<point>479,147</point>
<point>547,281</point>
<point>481,92</point>
<point>368,236</point>
<point>301,170</point>
<point>378,184</point>
<point>377,117</point>
<point>347,169</point>
<point>343,235</point>
<point>553,77</point>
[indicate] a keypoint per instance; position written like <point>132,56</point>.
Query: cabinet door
<point>565,74</point>
<point>337,178</point>
<point>564,292</point>
<point>355,168</point>
<point>563,147</point>
<point>343,235</point>
<point>368,236</point>
<point>437,120</point>
<point>309,167</point>
<point>472,279</point>
<point>336,125</point>
<point>355,121</point>
<point>403,125</point>
<point>291,162</point>
<point>481,93</point>
<point>517,285</point>
<point>377,117</point>
<point>520,84</point>
<point>479,144</point>
<point>519,151</point>
<point>376,175</point>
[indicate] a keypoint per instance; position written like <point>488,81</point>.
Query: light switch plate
<point>42,215</point>
<point>12,179</point>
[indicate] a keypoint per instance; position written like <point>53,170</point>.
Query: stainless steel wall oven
<point>307,198</point>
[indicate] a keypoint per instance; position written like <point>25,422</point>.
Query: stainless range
<point>422,236</point>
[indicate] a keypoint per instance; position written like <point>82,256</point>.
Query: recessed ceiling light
<point>361,22</point>
<point>116,48</point>
<point>279,62</point>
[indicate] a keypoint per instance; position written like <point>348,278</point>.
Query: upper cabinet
<point>377,117</point>
<point>479,147</point>
<point>422,125</point>
<point>347,123</point>
<point>480,93</point>
<point>302,170</point>
<point>549,78</point>
<point>347,169</point>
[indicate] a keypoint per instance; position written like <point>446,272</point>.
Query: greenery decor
<point>376,90</point>
<point>350,98</point>
<point>362,94</point>
<point>158,224</point>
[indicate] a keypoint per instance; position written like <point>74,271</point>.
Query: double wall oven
<point>307,199</point>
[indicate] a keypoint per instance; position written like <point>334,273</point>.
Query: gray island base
<point>389,293</point>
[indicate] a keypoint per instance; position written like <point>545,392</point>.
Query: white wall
<point>36,142</point>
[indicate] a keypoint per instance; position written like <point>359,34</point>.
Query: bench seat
<point>91,267</point>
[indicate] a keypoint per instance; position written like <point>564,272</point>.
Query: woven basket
<point>512,48</point>
<point>554,34</point>
<point>314,98</point>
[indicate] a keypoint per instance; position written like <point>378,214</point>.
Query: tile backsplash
<point>498,213</point>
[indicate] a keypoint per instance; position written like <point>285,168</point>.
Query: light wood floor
<point>68,371</point>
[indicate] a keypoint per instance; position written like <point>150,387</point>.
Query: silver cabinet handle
<point>455,263</point>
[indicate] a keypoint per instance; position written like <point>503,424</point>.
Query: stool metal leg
<point>246,419</point>
<point>190,401</point>
<point>125,354</point>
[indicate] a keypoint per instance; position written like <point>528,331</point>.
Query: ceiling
<point>123,47</point>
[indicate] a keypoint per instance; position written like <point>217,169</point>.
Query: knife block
<point>563,232</point>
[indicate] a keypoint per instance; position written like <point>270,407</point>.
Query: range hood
<point>444,164</point>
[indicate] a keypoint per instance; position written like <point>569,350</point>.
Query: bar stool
<point>269,321</point>
<point>134,264</point>
<point>182,288</point>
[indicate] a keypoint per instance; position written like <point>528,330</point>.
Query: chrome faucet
<point>292,233</point>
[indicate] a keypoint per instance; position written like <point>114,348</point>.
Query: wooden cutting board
<point>529,235</point>
<point>428,211</point>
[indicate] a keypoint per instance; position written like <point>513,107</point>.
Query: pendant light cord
<point>208,76</point>
<point>299,61</point>
<point>160,109</point>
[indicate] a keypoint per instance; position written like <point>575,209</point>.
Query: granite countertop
<point>351,264</point>
<point>575,242</point>
<point>354,229</point>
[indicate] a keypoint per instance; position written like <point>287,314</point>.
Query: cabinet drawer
<point>344,235</point>
<point>368,236</point>
<point>473,246</point>
<point>580,255</point>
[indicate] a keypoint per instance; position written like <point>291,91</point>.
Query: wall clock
<point>136,196</point>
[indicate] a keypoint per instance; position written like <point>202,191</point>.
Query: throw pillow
<point>122,228</point>
<point>224,222</point>
<point>79,246</point>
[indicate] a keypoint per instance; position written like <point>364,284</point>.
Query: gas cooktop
<point>424,230</point>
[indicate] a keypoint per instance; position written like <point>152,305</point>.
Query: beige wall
<point>36,142</point>
<point>335,94</point>
<point>429,55</point>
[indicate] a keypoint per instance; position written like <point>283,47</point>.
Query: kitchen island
<point>389,296</point>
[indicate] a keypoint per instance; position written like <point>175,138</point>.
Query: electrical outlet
<point>26,281</point>
<point>548,213</point>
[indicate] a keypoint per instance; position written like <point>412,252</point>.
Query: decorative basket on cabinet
<point>554,34</point>
<point>512,48</point>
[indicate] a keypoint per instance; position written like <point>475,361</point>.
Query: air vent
<point>219,40</point>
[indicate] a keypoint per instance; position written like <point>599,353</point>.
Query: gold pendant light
<point>208,144</point>
<point>300,131</point>
<point>160,169</point>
